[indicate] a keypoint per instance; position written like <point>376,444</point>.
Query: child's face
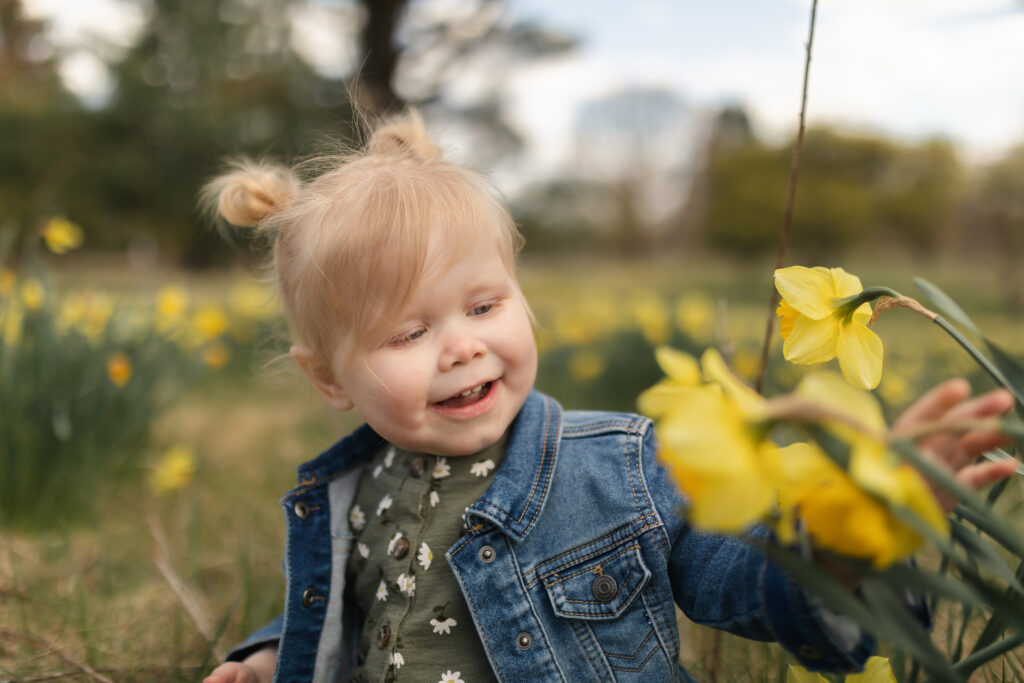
<point>452,373</point>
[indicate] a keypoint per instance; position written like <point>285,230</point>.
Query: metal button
<point>384,636</point>
<point>604,587</point>
<point>417,467</point>
<point>487,554</point>
<point>308,596</point>
<point>524,641</point>
<point>401,548</point>
<point>301,510</point>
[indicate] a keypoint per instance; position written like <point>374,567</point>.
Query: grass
<point>90,597</point>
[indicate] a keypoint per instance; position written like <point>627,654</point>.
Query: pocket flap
<point>603,587</point>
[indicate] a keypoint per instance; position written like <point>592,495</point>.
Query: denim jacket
<point>570,566</point>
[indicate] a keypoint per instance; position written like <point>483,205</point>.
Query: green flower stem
<point>853,302</point>
<point>968,664</point>
<point>978,356</point>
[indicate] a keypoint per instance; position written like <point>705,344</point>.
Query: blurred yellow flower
<point>695,315</point>
<point>33,295</point>
<point>252,300</point>
<point>876,670</point>
<point>12,326</point>
<point>817,325</point>
<point>61,235</point>
<point>119,369</point>
<point>209,323</point>
<point>88,313</point>
<point>216,355</point>
<point>747,362</point>
<point>585,365</point>
<point>653,318</point>
<point>7,280</point>
<point>682,375</point>
<point>175,470</point>
<point>171,302</point>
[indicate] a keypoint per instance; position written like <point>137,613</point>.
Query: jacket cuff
<point>268,636</point>
<point>800,627</point>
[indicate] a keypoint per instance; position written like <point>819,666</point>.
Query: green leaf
<point>975,353</point>
<point>945,304</point>
<point>1011,369</point>
<point>920,580</point>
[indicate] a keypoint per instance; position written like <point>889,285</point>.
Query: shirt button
<point>487,554</point>
<point>604,588</point>
<point>417,467</point>
<point>524,641</point>
<point>308,596</point>
<point>383,636</point>
<point>301,510</point>
<point>401,548</point>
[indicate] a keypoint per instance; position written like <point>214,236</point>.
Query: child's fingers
<point>932,405</point>
<point>230,672</point>
<point>977,477</point>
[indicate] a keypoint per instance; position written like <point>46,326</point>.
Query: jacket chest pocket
<point>601,598</point>
<point>600,588</point>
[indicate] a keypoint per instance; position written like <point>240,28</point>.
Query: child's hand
<point>257,668</point>
<point>959,450</point>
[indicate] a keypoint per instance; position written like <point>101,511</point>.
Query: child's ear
<point>322,377</point>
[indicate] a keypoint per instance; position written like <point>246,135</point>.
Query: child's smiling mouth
<point>467,397</point>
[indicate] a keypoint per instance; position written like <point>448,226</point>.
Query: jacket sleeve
<point>268,636</point>
<point>726,583</point>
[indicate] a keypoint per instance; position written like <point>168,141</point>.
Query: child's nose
<point>461,349</point>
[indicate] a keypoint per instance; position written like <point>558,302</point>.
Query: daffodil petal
<point>798,674</point>
<point>876,670</point>
<point>807,290</point>
<point>860,356</point>
<point>830,390</point>
<point>662,398</point>
<point>812,341</point>
<point>681,367</point>
<point>750,403</point>
<point>844,284</point>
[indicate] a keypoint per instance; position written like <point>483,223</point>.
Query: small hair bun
<point>251,192</point>
<point>404,135</point>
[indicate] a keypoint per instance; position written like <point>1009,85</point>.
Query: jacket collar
<point>517,493</point>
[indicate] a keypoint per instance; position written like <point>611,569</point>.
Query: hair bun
<point>404,135</point>
<point>251,192</point>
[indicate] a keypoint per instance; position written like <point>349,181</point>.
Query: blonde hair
<point>350,244</point>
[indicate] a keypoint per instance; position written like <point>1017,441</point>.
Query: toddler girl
<point>472,529</point>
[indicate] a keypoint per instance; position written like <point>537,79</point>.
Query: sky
<point>904,68</point>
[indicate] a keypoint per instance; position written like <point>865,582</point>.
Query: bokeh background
<point>148,421</point>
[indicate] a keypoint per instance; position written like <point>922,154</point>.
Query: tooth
<point>467,392</point>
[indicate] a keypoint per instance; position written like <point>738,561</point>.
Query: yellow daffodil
<point>844,513</point>
<point>653,318</point>
<point>33,295</point>
<point>171,302</point>
<point>209,323</point>
<point>119,369</point>
<point>695,315</point>
<point>682,375</point>
<point>876,670</point>
<point>216,355</point>
<point>175,470</point>
<point>585,365</point>
<point>7,280</point>
<point>818,323</point>
<point>12,324</point>
<point>61,235</point>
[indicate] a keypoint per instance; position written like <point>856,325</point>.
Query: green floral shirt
<point>408,511</point>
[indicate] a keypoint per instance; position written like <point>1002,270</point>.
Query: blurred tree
<point>853,190</point>
<point>638,142</point>
<point>994,221</point>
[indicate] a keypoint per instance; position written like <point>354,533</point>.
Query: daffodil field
<point>146,431</point>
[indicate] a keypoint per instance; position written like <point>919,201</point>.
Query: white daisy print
<point>425,556</point>
<point>442,469</point>
<point>444,627</point>
<point>364,550</point>
<point>407,584</point>
<point>451,677</point>
<point>391,543</point>
<point>384,504</point>
<point>389,458</point>
<point>382,590</point>
<point>434,499</point>
<point>377,470</point>
<point>397,660</point>
<point>482,469</point>
<point>357,518</point>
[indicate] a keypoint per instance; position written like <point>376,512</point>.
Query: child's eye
<point>407,338</point>
<point>482,309</point>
